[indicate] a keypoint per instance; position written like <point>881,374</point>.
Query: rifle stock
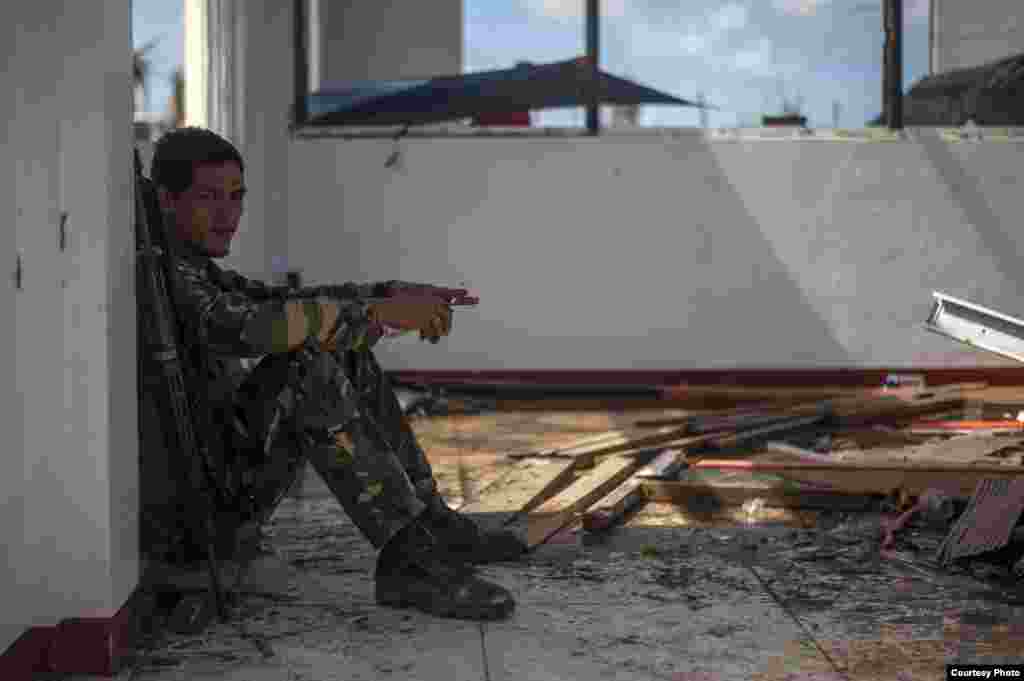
<point>154,268</point>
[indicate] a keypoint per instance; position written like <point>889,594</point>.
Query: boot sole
<point>392,596</point>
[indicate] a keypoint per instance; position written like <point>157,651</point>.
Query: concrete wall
<point>69,476</point>
<point>374,40</point>
<point>973,33</point>
<point>640,251</point>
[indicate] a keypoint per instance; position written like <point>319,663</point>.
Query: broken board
<point>615,507</point>
<point>565,508</point>
<point>526,485</point>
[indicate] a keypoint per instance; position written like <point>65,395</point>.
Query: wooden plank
<point>620,441</point>
<point>965,431</point>
<point>798,453</point>
<point>965,426</point>
<point>875,478</point>
<point>862,410</point>
<point>521,489</point>
<point>972,449</point>
<point>586,456</point>
<point>565,507</point>
<point>669,463</point>
<point>615,507</point>
<point>736,494</point>
<point>724,417</point>
<point>568,448</point>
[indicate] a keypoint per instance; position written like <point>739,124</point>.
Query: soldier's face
<point>207,213</point>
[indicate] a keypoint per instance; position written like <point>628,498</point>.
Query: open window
<point>736,63</point>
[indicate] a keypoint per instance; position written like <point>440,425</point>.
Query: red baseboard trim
<point>853,377</point>
<point>27,655</point>
<point>77,645</point>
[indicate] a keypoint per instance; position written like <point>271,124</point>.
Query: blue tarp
<point>526,87</point>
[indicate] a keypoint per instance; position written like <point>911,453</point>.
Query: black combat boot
<point>414,571</point>
<point>463,538</point>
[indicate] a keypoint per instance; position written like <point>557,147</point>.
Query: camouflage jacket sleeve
<point>381,289</point>
<point>236,316</point>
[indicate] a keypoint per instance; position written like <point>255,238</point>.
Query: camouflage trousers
<point>339,412</point>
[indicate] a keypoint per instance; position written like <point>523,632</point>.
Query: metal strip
<point>977,326</point>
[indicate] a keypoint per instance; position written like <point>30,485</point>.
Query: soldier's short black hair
<point>178,151</point>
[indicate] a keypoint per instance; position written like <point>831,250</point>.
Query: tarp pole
<point>892,81</point>
<point>300,47</point>
<point>593,30</point>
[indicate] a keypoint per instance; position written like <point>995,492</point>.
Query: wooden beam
<point>586,456</point>
<point>734,494</point>
<point>885,479</point>
<point>582,445</point>
<point>881,407</point>
<point>727,418</point>
<point>947,427</point>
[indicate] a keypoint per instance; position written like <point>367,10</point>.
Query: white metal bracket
<point>977,326</point>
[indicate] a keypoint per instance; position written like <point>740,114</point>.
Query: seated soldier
<point>318,384</point>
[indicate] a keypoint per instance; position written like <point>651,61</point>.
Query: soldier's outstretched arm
<point>239,321</point>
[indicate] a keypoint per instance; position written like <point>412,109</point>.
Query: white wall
<point>642,250</point>
<point>974,33</point>
<point>69,475</point>
<point>390,40</point>
<point>635,251</point>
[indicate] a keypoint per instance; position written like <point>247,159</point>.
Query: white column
<point>68,483</point>
<point>225,90</point>
<point>315,41</point>
<point>197,65</point>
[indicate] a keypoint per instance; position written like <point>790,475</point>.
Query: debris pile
<point>902,447</point>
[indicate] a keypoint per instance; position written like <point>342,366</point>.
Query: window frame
<point>306,69</point>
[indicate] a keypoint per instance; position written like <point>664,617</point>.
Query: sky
<point>164,21</point>
<point>743,55</point>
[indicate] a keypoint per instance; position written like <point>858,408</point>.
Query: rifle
<point>154,268</point>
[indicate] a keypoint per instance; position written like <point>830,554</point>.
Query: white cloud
<point>757,57</point>
<point>694,43</point>
<point>760,59</point>
<point>731,17</point>
<point>572,9</point>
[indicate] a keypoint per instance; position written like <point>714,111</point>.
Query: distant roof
<point>991,94</point>
<point>998,75</point>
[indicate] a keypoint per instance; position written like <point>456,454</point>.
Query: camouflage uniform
<point>335,409</point>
